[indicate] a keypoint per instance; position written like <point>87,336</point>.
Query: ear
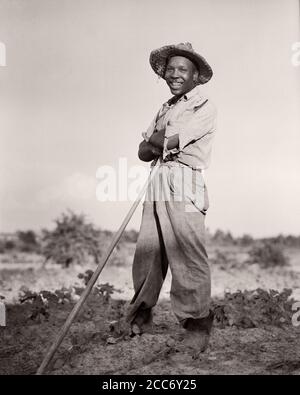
<point>195,76</point>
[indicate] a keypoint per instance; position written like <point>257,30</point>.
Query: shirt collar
<point>191,93</point>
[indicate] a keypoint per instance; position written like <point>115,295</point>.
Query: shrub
<point>27,241</point>
<point>220,258</point>
<point>27,237</point>
<point>258,308</point>
<point>224,260</point>
<point>9,245</point>
<point>245,240</point>
<point>223,238</point>
<point>130,236</point>
<point>72,240</point>
<point>267,254</point>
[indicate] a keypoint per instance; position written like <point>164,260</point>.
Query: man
<point>172,230</point>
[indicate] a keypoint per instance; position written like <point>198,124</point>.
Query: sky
<point>77,91</point>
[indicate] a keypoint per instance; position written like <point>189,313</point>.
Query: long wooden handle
<point>64,329</point>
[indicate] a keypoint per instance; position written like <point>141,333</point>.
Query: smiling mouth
<point>175,84</point>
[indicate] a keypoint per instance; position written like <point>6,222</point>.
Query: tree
<point>27,241</point>
<point>72,240</point>
<point>27,237</point>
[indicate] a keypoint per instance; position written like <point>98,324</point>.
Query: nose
<point>174,74</point>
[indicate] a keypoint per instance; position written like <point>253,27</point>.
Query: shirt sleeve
<point>146,135</point>
<point>194,124</point>
<point>166,151</point>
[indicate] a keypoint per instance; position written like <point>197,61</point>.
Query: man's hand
<point>157,139</point>
<point>148,152</point>
<point>154,147</point>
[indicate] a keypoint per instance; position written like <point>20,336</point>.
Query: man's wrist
<point>156,151</point>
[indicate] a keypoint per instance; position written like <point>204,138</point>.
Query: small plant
<point>103,290</point>
<point>86,276</point>
<point>267,254</point>
<point>258,308</point>
<point>39,303</point>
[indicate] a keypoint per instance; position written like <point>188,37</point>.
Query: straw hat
<point>159,59</point>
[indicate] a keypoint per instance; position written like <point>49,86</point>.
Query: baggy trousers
<point>172,233</point>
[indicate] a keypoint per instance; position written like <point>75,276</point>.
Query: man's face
<point>181,75</point>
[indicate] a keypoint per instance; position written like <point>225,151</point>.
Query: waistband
<point>176,162</point>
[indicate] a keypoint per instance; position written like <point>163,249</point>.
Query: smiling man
<point>172,230</point>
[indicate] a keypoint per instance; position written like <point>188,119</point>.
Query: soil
<point>99,343</point>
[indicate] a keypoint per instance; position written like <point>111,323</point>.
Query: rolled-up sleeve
<point>146,135</point>
<point>194,123</point>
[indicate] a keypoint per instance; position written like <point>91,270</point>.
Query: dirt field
<point>253,332</point>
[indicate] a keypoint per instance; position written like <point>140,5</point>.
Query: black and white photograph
<point>149,190</point>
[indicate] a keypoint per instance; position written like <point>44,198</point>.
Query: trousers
<point>172,233</point>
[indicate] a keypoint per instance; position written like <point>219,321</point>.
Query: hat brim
<point>159,58</point>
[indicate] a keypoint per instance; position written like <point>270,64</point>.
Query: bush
<point>2,248</point>
<point>267,254</point>
<point>27,241</point>
<point>72,240</point>
<point>223,238</point>
<point>130,236</point>
<point>9,245</point>
<point>246,240</point>
<point>258,308</point>
<point>224,260</point>
<point>27,237</point>
<point>220,258</point>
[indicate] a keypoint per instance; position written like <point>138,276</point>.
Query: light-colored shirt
<point>193,118</point>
